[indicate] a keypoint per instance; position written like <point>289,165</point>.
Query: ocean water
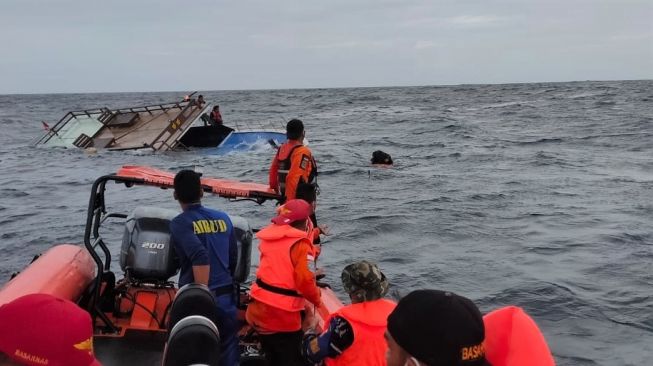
<point>537,195</point>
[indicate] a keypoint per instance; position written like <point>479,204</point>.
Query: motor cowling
<point>147,251</point>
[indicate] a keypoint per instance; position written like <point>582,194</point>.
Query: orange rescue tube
<point>512,339</point>
<point>64,271</point>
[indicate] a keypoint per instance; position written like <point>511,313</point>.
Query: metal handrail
<point>54,130</point>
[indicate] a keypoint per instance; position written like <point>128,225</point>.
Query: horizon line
<point>331,87</point>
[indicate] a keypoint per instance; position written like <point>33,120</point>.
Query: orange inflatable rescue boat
<point>132,316</point>
<point>139,315</point>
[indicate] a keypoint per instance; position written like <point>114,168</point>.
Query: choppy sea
<point>538,195</point>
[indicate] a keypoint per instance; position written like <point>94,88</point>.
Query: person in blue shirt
<point>205,242</point>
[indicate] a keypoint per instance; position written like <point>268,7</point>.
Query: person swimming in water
<point>380,157</point>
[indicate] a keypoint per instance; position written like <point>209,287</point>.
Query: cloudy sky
<point>160,45</point>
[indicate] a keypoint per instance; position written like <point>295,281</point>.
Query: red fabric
<point>512,338</point>
<point>369,320</point>
<point>291,211</point>
<point>40,329</point>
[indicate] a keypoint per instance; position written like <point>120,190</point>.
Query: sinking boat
<point>160,127</point>
<point>138,312</point>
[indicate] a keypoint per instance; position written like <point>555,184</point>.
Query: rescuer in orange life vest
<point>355,333</point>
<point>283,282</point>
<point>430,327</point>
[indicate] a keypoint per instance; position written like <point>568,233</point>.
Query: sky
<point>62,46</point>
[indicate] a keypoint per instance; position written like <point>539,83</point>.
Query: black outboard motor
<point>147,252</point>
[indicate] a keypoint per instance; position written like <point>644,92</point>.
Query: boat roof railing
<point>244,126</point>
<point>105,115</point>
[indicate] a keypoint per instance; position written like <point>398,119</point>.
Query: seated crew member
<point>216,117</point>
<point>293,165</point>
<point>355,333</point>
<point>205,242</point>
<point>200,101</point>
<point>381,157</point>
<point>283,283</point>
<point>430,327</point>
<point>41,329</point>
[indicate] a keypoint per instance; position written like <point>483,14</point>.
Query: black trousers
<point>283,349</point>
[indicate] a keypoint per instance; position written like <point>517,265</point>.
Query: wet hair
<point>381,157</point>
<point>200,96</point>
<point>216,107</point>
<point>294,129</point>
<point>187,186</point>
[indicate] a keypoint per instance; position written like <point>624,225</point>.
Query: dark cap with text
<point>439,328</point>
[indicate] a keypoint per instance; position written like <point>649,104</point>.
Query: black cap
<point>439,328</point>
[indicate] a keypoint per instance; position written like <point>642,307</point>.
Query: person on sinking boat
<point>283,283</point>
<point>355,332</point>
<point>205,242</point>
<point>216,117</point>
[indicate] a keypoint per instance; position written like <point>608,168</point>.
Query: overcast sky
<point>160,45</point>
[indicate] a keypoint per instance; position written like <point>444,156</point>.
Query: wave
<point>549,140</point>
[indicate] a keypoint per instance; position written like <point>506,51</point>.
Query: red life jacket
<point>216,117</point>
<point>369,320</point>
<point>275,281</point>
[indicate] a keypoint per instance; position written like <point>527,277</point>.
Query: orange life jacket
<point>275,282</point>
<point>369,320</point>
<point>512,338</point>
<point>307,167</point>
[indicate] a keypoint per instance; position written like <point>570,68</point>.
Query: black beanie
<point>439,328</point>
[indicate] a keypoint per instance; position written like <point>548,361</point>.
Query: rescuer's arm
<point>304,278</point>
<point>273,177</point>
<point>331,343</point>
<point>187,242</point>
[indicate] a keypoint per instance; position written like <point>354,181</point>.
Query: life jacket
<point>512,338</point>
<point>369,321</point>
<point>309,177</point>
<point>216,117</point>
<point>275,281</point>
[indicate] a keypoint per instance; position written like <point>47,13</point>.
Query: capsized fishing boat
<point>160,127</point>
<point>136,309</point>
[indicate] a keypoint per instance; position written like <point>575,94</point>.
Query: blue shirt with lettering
<point>204,236</point>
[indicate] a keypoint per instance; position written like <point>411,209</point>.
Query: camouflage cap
<point>364,281</point>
